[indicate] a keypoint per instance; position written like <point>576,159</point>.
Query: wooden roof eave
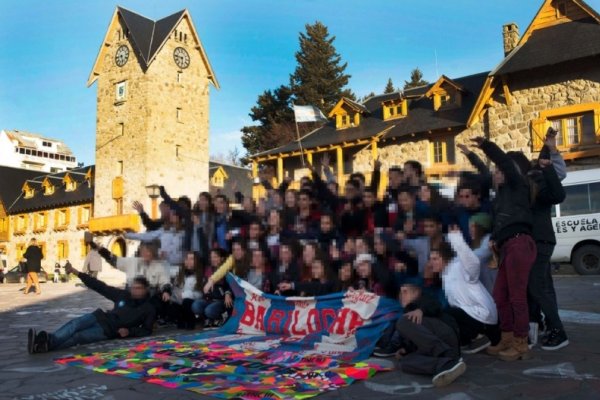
<point>486,93</point>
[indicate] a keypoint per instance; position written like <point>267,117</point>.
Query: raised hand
<point>69,269</point>
<point>478,141</point>
<point>137,206</point>
<point>464,148</point>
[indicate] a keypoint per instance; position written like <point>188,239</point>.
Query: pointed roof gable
<point>551,38</point>
<point>440,82</point>
<point>350,103</point>
<point>147,37</point>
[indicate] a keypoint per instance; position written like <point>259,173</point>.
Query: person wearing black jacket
<point>512,239</point>
<point>132,316</point>
<point>430,339</point>
<point>548,191</point>
<point>34,257</point>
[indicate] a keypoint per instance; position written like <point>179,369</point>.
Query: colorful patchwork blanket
<point>271,348</point>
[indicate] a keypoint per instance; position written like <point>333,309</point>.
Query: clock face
<point>181,57</point>
<point>122,55</point>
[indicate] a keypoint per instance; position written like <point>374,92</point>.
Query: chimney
<point>510,35</point>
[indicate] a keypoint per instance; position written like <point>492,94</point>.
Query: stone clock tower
<point>152,121</point>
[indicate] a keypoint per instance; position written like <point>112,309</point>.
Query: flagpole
<point>299,141</point>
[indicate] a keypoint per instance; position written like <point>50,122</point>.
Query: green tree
<point>416,79</point>
<point>319,78</point>
<point>275,121</point>
<point>389,88</point>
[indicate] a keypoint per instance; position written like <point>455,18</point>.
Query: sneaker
<point>556,339</point>
<point>448,376</point>
<point>31,341</point>
<point>41,342</point>
<point>481,342</point>
<point>384,352</point>
<point>533,334</point>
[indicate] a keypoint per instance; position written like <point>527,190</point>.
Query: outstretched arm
<point>110,292</point>
<point>467,257</point>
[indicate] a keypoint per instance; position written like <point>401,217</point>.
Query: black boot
<point>31,341</point>
<point>41,342</point>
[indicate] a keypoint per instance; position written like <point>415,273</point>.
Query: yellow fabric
<point>223,270</point>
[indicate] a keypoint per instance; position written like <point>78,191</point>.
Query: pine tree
<point>272,110</point>
<point>319,78</point>
<point>416,79</point>
<point>389,88</point>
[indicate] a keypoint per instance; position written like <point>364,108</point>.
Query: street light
<point>154,193</point>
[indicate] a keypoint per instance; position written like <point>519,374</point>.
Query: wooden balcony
<point>115,224</point>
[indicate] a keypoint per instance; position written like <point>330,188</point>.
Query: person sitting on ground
<point>428,337</point>
<point>470,303</point>
<point>187,289</point>
<point>133,315</point>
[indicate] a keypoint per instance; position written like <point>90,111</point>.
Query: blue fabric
<point>81,330</point>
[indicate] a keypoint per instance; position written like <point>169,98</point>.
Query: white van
<point>576,222</point>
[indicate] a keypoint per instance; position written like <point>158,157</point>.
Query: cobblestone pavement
<point>570,373</point>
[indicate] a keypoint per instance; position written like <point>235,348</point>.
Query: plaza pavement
<point>570,373</point>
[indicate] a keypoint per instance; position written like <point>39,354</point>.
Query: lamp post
<point>154,193</point>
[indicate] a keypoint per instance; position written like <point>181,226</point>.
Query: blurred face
<point>369,199</point>
<point>409,294</point>
<point>258,260</point>
<point>146,253</point>
<point>285,254</point>
<point>254,231</point>
<point>361,246</point>
<point>379,246</point>
<point>431,228</point>
<point>304,201</point>
<point>409,172</point>
<point>498,177</point>
<point>345,273</point>
<point>248,205</point>
<point>174,219</point>
<point>277,199</point>
<point>437,262</point>
<point>220,205</point>
<point>333,188</point>
<point>317,270</point>
<point>290,199</point>
<point>350,246</point>
<point>395,177</point>
<point>308,254</point>
<point>304,181</point>
<point>349,191</point>
<point>274,219</point>
<point>215,259</point>
<point>326,223</point>
<point>196,219</point>
<point>203,202</point>
<point>237,251</point>
<point>467,199</point>
<point>406,201</point>
<point>364,269</point>
<point>190,261</point>
<point>425,194</point>
<point>138,291</point>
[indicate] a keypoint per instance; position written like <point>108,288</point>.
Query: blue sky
<point>47,49</point>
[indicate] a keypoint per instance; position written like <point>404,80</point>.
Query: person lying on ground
<point>133,315</point>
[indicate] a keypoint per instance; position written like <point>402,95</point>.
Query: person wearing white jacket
<point>470,303</point>
<point>187,289</point>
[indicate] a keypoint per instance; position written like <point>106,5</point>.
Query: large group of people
<point>472,273</point>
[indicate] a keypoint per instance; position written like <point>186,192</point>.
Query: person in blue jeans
<point>217,296</point>
<point>133,315</point>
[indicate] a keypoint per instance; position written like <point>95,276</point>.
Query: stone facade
<point>158,134</point>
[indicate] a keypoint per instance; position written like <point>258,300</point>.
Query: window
<point>29,191</point>
<point>4,224</point>
<point>21,223</point>
<point>177,151</point>
<point>62,218</point>
<point>63,249</point>
<point>48,188</point>
<point>70,185</point>
<point>20,249</point>
<point>46,144</point>
<point>41,221</point>
<point>442,150</point>
<point>121,129</point>
<point>121,91</point>
<point>85,249</point>
<point>185,37</point>
<point>581,199</point>
<point>84,214</point>
<point>119,206</point>
<point>444,99</point>
<point>179,114</point>
<point>175,34</point>
<point>119,167</point>
<point>574,130</point>
<point>179,76</point>
<point>217,180</point>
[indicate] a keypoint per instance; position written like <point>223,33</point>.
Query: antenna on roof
<point>437,74</point>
